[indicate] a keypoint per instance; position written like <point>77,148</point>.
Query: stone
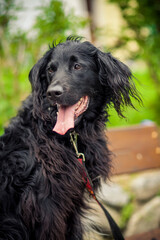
<point>146,186</point>
<point>145,219</point>
<point>113,195</point>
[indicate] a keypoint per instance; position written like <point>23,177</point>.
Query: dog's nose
<point>54,92</point>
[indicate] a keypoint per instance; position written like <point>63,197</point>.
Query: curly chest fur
<point>53,192</point>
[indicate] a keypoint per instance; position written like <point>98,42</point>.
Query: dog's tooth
<point>80,101</point>
<point>78,104</point>
<point>58,106</point>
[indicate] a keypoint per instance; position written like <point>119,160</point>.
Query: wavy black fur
<point>41,187</point>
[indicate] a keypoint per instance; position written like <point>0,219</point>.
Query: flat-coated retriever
<point>41,182</point>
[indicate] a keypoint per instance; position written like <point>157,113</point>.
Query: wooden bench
<point>135,149</point>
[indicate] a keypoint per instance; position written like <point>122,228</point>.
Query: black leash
<point>116,232</point>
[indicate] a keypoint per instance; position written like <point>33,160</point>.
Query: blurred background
<point>128,28</point>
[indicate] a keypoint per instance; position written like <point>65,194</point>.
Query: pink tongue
<point>65,119</point>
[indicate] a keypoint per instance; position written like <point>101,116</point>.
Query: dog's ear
<point>37,72</point>
<point>116,78</point>
<point>34,73</point>
<point>37,77</point>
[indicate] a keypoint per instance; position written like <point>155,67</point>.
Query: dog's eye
<point>51,70</point>
<point>77,66</point>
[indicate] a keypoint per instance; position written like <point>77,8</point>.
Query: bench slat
<point>135,148</point>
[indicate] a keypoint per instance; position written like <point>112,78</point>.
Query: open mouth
<point>67,115</point>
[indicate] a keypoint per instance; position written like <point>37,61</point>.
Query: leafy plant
<point>142,27</point>
<point>54,24</point>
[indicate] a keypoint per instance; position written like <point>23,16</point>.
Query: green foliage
<point>126,213</point>
<point>12,94</point>
<point>7,15</point>
<point>142,27</point>
<point>54,24</point>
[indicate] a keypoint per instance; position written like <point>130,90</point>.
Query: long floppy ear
<point>37,72</point>
<point>37,77</point>
<point>116,78</point>
<point>34,73</point>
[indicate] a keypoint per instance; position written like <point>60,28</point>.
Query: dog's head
<point>80,80</point>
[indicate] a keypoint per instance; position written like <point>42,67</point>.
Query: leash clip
<point>73,139</point>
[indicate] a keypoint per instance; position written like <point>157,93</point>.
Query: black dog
<point>41,182</point>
